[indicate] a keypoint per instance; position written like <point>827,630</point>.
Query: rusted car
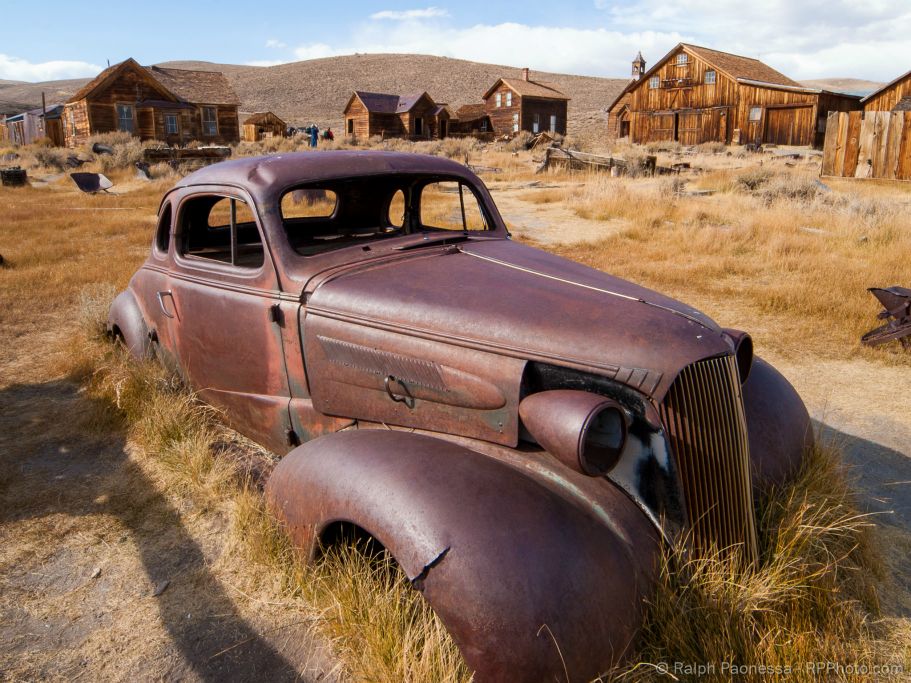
<point>522,433</point>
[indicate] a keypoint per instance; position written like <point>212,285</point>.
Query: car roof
<point>276,171</point>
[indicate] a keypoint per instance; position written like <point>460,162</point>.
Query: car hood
<point>523,302</point>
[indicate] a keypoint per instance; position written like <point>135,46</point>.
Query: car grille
<point>704,417</point>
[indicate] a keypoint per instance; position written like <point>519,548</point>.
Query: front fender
<point>498,554</point>
<point>126,317</point>
<point>778,425</point>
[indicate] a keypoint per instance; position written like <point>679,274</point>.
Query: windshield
<point>319,217</point>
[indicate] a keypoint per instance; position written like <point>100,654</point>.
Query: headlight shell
<point>585,431</point>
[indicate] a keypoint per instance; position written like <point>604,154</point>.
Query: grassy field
<point>768,247</point>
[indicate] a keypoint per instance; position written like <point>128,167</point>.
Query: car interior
<point>320,217</point>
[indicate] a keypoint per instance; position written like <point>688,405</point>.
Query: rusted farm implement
<point>897,304</point>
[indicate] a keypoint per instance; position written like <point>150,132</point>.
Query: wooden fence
<point>873,144</point>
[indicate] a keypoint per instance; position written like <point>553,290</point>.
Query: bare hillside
<point>316,90</point>
<point>854,86</point>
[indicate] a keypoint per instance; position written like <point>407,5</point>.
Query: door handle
<point>164,309</point>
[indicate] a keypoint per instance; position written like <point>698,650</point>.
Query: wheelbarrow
<point>897,304</point>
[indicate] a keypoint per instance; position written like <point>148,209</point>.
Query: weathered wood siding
<point>504,119</point>
<point>684,87</point>
<point>268,126</point>
<point>889,97</point>
<point>618,114</point>
<point>869,144</point>
<point>359,119</point>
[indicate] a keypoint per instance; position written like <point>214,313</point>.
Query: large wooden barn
<point>515,104</point>
<point>172,105</point>
<point>894,96</point>
<point>263,125</point>
<point>416,117</point>
<point>695,95</point>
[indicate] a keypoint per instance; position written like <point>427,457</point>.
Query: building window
<point>484,125</point>
<point>654,82</point>
<point>499,100</point>
<point>72,116</point>
<point>553,123</point>
<point>170,124</point>
<point>418,126</point>
<point>682,59</point>
<point>515,123</point>
<point>755,114</point>
<point>209,121</point>
<point>709,77</point>
<point>125,118</point>
<point>536,124</point>
<point>509,99</point>
<point>350,126</point>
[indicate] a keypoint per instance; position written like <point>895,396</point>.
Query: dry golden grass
<point>813,597</point>
<point>772,242</point>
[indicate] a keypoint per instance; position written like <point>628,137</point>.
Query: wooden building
<point>695,95</point>
<point>415,117</point>
<point>33,125</point>
<point>154,103</point>
<point>516,104</point>
<point>263,125</point>
<point>894,96</point>
<point>472,119</point>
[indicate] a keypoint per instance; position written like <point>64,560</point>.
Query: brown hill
<point>316,90</point>
<point>854,86</point>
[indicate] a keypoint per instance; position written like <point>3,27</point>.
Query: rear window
<point>309,204</point>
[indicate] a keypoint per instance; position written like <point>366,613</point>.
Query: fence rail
<point>873,144</point>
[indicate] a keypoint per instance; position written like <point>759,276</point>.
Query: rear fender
<point>126,318</point>
<point>524,578</point>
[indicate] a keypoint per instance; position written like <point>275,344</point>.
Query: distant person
<point>328,135</point>
<point>314,135</point>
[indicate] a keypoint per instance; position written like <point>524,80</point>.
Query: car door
<point>225,326</point>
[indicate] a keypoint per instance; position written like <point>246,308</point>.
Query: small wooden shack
<point>415,117</point>
<point>30,126</point>
<point>894,96</point>
<point>696,94</point>
<point>263,125</point>
<point>172,105</point>
<point>515,104</point>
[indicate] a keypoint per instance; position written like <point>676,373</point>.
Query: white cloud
<point>807,39</point>
<point>16,69</point>
<point>266,62</point>
<point>411,14</point>
<point>275,44</point>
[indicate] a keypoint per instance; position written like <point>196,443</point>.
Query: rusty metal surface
<point>514,566</point>
<point>448,338</point>
<point>897,304</point>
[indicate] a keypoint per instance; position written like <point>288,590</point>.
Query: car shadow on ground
<point>882,478</point>
<point>52,468</point>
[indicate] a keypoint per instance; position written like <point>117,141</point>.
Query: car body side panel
<point>441,387</point>
<point>524,577</point>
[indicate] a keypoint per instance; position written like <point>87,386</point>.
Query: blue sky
<point>803,38</point>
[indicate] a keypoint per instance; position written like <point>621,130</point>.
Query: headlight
<point>585,431</point>
<point>743,351</point>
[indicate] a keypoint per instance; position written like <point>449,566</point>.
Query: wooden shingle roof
<point>263,117</point>
<point>529,88</point>
<point>197,87</point>
<point>740,68</point>
<point>471,112</point>
<point>200,87</point>
<point>383,103</point>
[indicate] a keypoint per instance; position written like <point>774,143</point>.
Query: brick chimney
<point>525,74</point>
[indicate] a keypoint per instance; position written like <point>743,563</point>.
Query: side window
<point>163,233</point>
<point>218,228</point>
<point>308,204</point>
<point>449,205</point>
<point>396,215</point>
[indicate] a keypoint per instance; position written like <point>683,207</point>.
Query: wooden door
<point>788,126</point>
<point>661,127</point>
